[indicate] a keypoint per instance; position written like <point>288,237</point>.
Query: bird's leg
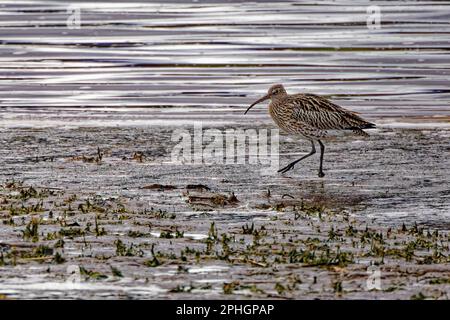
<point>292,164</point>
<point>322,151</point>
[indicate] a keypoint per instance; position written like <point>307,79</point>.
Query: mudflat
<point>102,212</point>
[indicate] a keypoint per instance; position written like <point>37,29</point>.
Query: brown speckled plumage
<point>312,117</point>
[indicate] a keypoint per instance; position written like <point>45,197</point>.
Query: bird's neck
<point>278,98</point>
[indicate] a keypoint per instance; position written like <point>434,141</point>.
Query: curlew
<point>311,117</point>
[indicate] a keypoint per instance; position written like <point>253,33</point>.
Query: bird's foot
<point>287,168</point>
<point>321,174</point>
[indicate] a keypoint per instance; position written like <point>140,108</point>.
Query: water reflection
<point>220,55</point>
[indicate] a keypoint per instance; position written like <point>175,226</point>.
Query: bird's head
<point>275,92</point>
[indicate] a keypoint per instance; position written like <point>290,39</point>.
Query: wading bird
<point>311,117</point>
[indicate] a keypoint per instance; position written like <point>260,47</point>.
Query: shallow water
<point>219,56</point>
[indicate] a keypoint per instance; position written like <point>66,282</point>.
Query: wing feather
<point>323,114</point>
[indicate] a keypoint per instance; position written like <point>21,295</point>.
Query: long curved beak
<point>257,101</point>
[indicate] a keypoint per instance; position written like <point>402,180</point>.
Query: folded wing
<point>320,113</point>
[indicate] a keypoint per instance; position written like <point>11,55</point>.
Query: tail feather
<point>355,122</point>
<point>359,129</point>
<point>360,132</point>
